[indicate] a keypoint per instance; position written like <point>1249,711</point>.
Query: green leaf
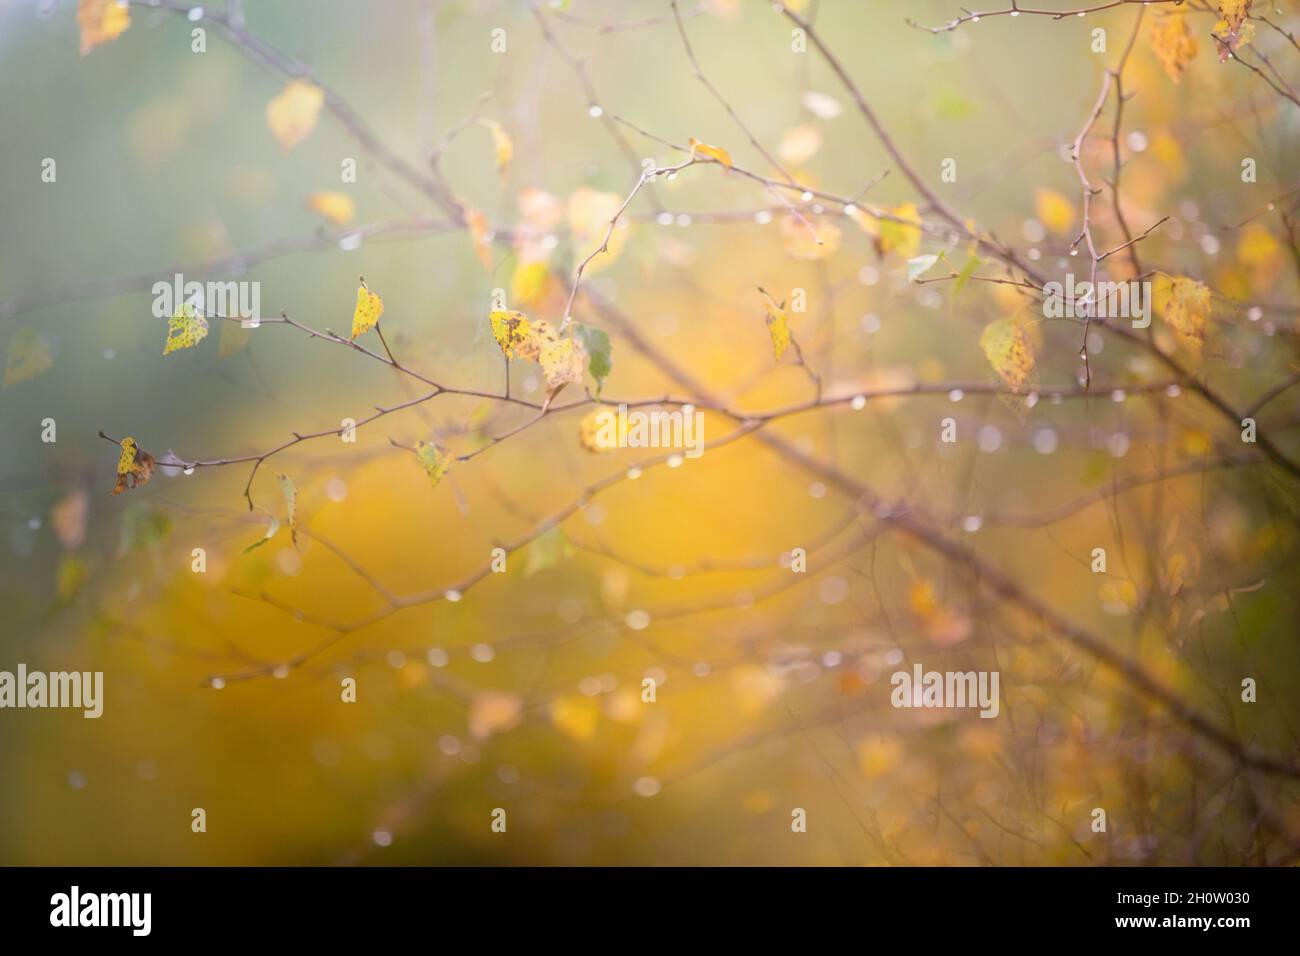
<point>920,266</point>
<point>968,270</point>
<point>597,345</point>
<point>270,533</point>
<point>546,550</point>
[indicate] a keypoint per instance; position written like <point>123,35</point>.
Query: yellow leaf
<point>575,717</point>
<point>778,327</point>
<point>72,575</point>
<point>1260,252</point>
<point>28,356</point>
<point>335,206</point>
<point>101,21</point>
<point>710,152</point>
<point>186,329</point>
<point>1185,305</point>
<point>501,142</point>
<point>494,711</point>
<point>1054,211</point>
<point>291,116</point>
<point>904,236</point>
<point>598,432</point>
<point>799,144</point>
<point>530,284</point>
<point>1234,11</point>
<point>1173,43</point>
<point>68,517</point>
<point>589,214</point>
<point>367,312</point>
<point>290,491</point>
<point>1007,345</point>
<point>510,329</point>
<point>477,223</point>
<point>436,463</point>
<point>809,240</point>
<point>563,361</point>
<point>134,466</point>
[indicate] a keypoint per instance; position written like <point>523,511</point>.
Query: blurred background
<point>772,688</point>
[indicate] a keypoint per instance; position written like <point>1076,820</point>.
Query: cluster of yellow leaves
<point>185,329</point>
<point>28,356</point>
<point>435,461</point>
<point>563,360</point>
<point>101,21</point>
<point>134,466</point>
<point>1054,211</point>
<point>716,153</point>
<point>1173,43</point>
<point>337,207</point>
<point>1008,347</point>
<point>292,115</point>
<point>368,310</point>
<point>1185,306</point>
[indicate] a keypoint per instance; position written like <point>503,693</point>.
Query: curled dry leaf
<point>501,143</point>
<point>290,491</point>
<point>778,327</point>
<point>134,466</point>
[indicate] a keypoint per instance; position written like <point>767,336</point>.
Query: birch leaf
<point>28,356</point>
<point>436,462</point>
<point>290,491</point>
<point>481,235</point>
<point>185,329</point>
<point>595,342</point>
<point>902,237</point>
<point>292,115</point>
<point>368,310</point>
<point>101,21</point>
<point>778,327</point>
<point>716,153</point>
<point>919,266</point>
<point>337,207</point>
<point>510,329</point>
<point>563,362</point>
<point>1185,305</point>
<point>1173,43</point>
<point>501,143</point>
<point>1010,351</point>
<point>134,466</point>
<point>270,533</point>
<point>1053,210</point>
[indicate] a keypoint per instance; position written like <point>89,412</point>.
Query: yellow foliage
<point>101,21</point>
<point>367,312</point>
<point>292,115</point>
